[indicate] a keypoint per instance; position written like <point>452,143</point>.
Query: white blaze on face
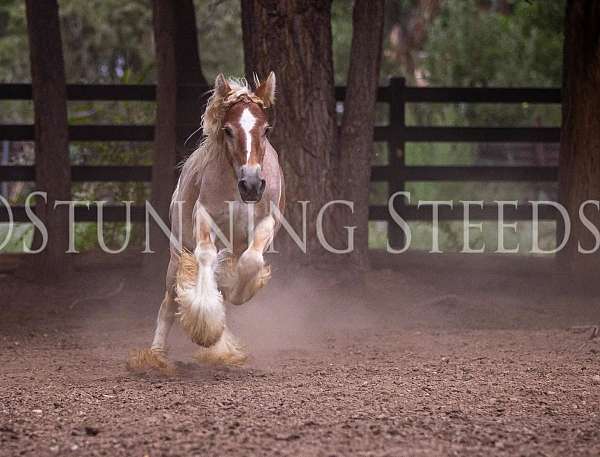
<point>247,122</point>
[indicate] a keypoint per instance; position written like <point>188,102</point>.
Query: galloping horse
<point>230,184</point>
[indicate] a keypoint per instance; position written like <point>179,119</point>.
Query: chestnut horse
<point>229,185</point>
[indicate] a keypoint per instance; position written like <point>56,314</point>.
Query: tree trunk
<point>580,138</point>
<point>164,158</point>
<point>189,72</point>
<point>177,115</point>
<point>356,133</point>
<point>187,55</point>
<point>293,38</point>
<point>52,165</point>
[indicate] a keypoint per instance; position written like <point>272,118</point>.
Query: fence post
<point>4,161</point>
<point>396,156</point>
<point>559,226</point>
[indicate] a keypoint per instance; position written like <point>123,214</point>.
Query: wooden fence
<point>396,134</point>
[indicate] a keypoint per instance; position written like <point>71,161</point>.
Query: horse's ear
<point>266,90</point>
<point>221,86</point>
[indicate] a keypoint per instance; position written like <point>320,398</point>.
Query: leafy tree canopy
<point>107,41</point>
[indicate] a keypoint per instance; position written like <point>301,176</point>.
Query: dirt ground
<point>418,362</point>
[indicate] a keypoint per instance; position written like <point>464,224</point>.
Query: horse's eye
<point>228,131</point>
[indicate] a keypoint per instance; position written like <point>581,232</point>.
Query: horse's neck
<point>212,153</point>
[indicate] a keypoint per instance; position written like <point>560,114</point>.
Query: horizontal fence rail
<point>124,173</point>
<point>147,93</point>
<point>83,173</point>
<point>387,133</point>
<point>396,135</point>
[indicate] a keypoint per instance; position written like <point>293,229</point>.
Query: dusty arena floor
<point>419,362</point>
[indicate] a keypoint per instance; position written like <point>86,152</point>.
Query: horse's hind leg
<point>156,356</point>
<point>164,322</point>
<point>252,273</point>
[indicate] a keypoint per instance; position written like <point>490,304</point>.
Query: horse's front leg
<point>201,310</point>
<point>252,273</point>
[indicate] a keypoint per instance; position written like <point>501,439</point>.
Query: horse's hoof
<point>249,264</point>
<point>265,275</point>
<point>141,361</point>
<point>235,359</point>
<point>227,351</point>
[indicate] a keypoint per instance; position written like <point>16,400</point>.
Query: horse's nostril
<point>251,189</point>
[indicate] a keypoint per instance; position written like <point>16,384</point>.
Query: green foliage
<point>469,46</point>
<point>341,36</point>
<point>104,40</point>
<point>14,59</point>
<point>111,41</point>
<point>220,37</point>
<point>22,234</point>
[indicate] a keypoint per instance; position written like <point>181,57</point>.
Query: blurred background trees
<point>429,42</point>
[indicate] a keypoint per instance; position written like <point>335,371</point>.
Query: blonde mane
<point>211,148</point>
<point>212,120</point>
<point>218,105</point>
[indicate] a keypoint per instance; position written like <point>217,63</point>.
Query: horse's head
<point>244,130</point>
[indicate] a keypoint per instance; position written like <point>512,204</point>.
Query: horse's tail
<point>201,309</point>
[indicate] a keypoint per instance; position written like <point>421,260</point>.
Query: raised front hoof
<point>246,291</point>
<point>149,360</point>
<point>264,276</point>
<point>249,264</point>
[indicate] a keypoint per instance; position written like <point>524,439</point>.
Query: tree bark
<point>356,133</point>
<point>178,63</point>
<point>187,55</point>
<point>52,164</point>
<point>189,72</point>
<point>579,175</point>
<point>165,133</point>
<point>293,38</point>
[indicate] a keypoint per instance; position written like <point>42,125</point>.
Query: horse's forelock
<point>218,105</point>
<point>212,119</point>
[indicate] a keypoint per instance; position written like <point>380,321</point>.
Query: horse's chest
<point>237,221</point>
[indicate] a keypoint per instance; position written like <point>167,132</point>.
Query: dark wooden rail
<point>396,135</point>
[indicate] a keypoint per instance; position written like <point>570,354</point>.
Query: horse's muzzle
<point>251,185</point>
